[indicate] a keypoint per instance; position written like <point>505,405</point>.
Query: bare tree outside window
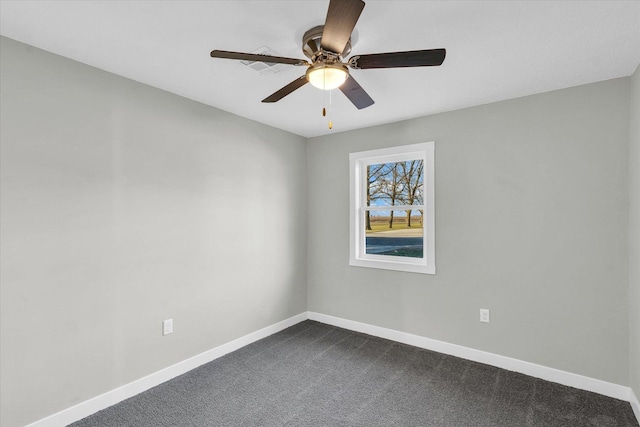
<point>374,179</point>
<point>412,177</point>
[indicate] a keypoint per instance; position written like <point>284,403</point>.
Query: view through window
<point>394,213</point>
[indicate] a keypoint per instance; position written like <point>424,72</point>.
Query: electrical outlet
<point>167,327</point>
<point>484,315</point>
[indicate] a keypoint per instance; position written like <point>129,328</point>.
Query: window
<point>392,208</point>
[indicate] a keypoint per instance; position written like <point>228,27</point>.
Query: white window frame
<point>358,163</point>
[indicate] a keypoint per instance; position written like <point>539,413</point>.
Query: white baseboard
<point>112,397</point>
<point>103,401</point>
<point>635,404</point>
<point>527,368</point>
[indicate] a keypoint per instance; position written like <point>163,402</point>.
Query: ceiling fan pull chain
<point>324,99</point>
<point>330,122</point>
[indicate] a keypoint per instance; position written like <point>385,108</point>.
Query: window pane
<point>392,184</point>
<point>394,233</point>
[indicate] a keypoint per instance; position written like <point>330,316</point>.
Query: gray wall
<point>531,223</point>
<point>634,234</point>
<point>121,206</point>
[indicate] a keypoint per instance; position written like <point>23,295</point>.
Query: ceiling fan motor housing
<point>312,49</point>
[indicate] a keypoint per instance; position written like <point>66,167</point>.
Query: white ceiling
<point>496,50</point>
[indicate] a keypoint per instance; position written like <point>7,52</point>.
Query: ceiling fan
<point>326,46</point>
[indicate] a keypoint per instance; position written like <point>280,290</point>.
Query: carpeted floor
<point>318,375</point>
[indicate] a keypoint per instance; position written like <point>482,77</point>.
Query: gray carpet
<point>318,375</point>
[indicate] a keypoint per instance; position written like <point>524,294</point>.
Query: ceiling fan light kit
<point>327,76</point>
<point>326,46</point>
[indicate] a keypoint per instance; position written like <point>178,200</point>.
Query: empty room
<point>319,213</point>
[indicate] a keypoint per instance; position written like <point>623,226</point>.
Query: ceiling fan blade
<point>356,94</point>
<point>256,57</point>
<point>341,20</point>
<point>413,58</point>
<point>296,84</point>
